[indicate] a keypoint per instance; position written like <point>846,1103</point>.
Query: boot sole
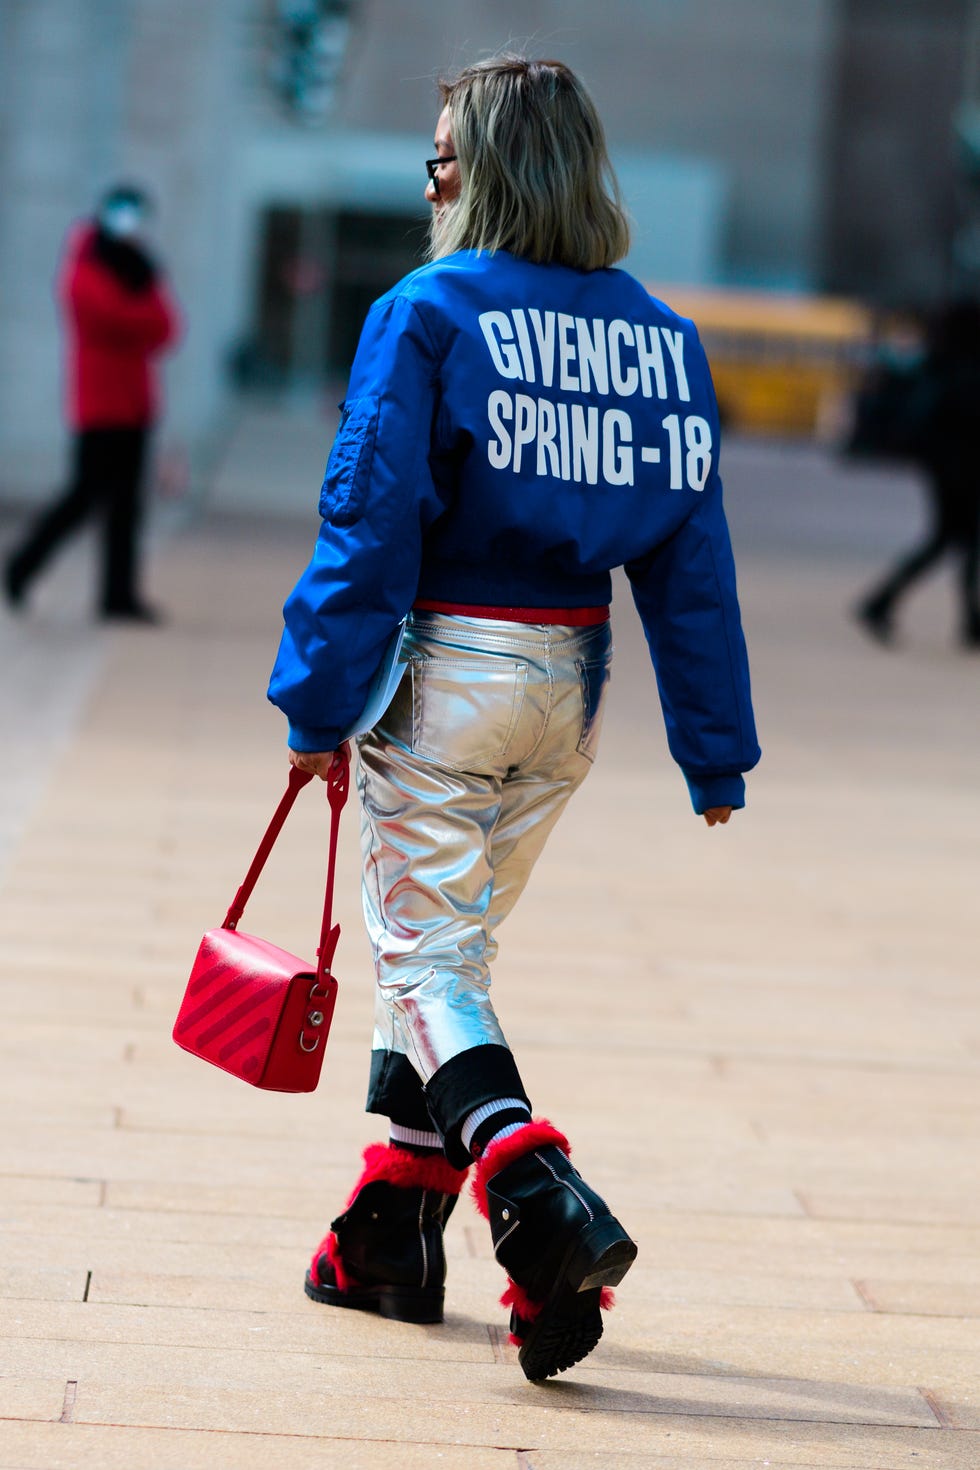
<point>421,1304</point>
<point>570,1323</point>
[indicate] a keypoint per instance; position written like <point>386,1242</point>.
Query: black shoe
<point>14,585</point>
<point>385,1252</point>
<point>877,622</point>
<point>134,612</point>
<point>558,1242</point>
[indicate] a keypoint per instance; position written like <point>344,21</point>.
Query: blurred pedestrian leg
<point>944,437</point>
<point>105,482</point>
<point>956,530</point>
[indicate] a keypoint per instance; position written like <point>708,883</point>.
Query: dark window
<point>320,270</point>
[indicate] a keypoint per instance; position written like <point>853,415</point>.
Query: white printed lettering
<point>524,341</point>
<point>697,436</point>
<point>673,426</point>
<point>585,355</point>
<point>617,459</point>
<point>592,357</point>
<point>625,382</point>
<point>563,442</point>
<point>567,353</point>
<point>499,407</point>
<point>651,355</point>
<point>547,429</point>
<point>525,426</point>
<point>675,346</point>
<point>544,335</point>
<point>695,465</point>
<point>585,443</point>
<point>496,329</point>
<point>576,441</point>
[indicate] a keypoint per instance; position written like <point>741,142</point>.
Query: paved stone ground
<point>764,1042</point>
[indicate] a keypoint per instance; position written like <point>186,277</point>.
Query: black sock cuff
<point>466,1082</point>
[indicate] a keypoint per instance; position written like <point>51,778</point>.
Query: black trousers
<point>955,532</point>
<point>106,482</point>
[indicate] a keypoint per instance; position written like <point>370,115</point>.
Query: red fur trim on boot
<point>527,1310</point>
<point>505,1151</point>
<point>525,1306</point>
<point>515,1296</point>
<point>407,1171</point>
<point>328,1247</point>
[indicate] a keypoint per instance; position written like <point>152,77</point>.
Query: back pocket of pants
<point>465,710</point>
<point>594,677</point>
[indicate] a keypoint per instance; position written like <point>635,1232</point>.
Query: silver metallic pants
<point>494,726</point>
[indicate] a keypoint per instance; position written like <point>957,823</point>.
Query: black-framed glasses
<point>431,164</point>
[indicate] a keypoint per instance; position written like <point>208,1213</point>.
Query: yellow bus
<point>782,364</point>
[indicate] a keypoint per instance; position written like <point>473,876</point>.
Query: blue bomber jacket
<point>511,433</point>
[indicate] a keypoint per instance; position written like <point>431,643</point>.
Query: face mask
<point>122,221</point>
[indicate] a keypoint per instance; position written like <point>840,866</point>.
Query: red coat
<point>112,336</point>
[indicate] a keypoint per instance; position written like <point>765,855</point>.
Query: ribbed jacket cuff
<point>709,791</point>
<point>311,740</point>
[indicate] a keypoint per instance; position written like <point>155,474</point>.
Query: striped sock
<point>497,1119</point>
<point>415,1140</point>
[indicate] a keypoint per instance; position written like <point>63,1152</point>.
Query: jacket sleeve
<point>686,596</point>
<point>377,499</point>
<point>106,312</point>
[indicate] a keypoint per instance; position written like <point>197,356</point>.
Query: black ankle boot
<point>558,1243</point>
<point>385,1252</point>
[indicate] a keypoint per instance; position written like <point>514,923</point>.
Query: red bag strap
<point>338,784</point>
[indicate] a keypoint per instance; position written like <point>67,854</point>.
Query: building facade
<point>284,140</point>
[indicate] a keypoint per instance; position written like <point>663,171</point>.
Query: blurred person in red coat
<point>118,318</point>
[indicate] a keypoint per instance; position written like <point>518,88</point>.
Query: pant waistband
<point>573,617</point>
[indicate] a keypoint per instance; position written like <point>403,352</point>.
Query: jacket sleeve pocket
<point>348,474</point>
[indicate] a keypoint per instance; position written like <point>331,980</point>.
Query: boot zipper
<point>582,1202</point>
<point>505,1236</point>
<point>425,1254</point>
<point>555,1177</point>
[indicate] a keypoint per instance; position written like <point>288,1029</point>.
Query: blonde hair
<point>535,177</point>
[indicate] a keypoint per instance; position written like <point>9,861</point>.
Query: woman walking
<point>521,419</point>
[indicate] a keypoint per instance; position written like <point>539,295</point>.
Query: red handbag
<point>254,1009</point>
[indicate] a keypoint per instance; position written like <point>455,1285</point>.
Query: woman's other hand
<point>717,814</point>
